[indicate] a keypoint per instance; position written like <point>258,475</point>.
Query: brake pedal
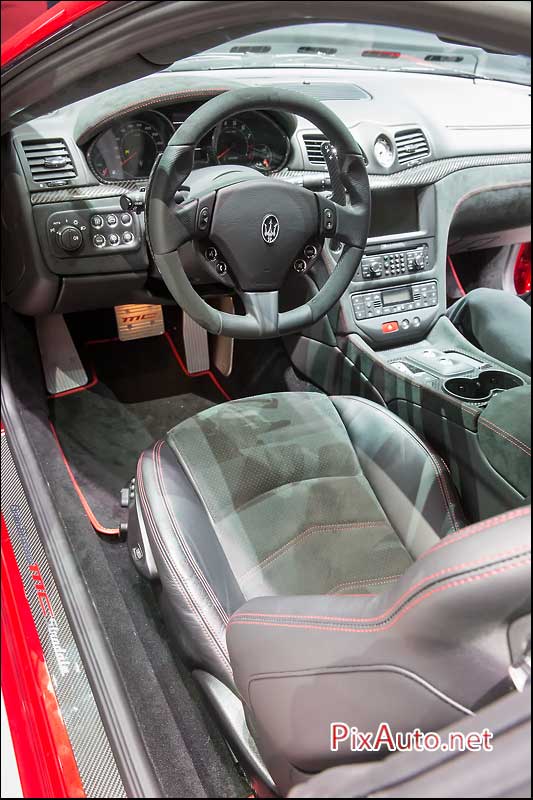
<point>223,355</point>
<point>139,321</point>
<point>62,365</point>
<point>196,346</point>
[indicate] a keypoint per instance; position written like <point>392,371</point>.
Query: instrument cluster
<point>128,149</point>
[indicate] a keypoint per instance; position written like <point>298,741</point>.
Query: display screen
<point>393,296</point>
<point>394,211</point>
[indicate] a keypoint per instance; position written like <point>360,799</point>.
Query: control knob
<point>70,239</point>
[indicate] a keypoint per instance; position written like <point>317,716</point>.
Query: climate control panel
<point>394,301</point>
<point>396,314</point>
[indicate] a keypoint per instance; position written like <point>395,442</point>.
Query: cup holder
<point>482,388</point>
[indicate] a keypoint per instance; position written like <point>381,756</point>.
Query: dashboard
<point>435,145</point>
<point>127,150</point>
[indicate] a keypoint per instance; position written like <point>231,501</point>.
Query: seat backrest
<point>428,652</point>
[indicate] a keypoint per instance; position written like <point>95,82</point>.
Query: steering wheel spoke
<point>262,311</point>
<point>347,224</point>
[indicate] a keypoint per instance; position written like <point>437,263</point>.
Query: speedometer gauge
<point>233,142</point>
<point>128,149</point>
<point>251,139</point>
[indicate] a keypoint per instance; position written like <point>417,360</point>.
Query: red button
<point>390,327</point>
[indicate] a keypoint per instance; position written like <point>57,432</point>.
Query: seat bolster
<point>198,586</point>
<point>425,653</point>
<point>410,481</point>
<point>499,323</point>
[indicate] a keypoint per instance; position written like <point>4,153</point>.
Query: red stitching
<point>506,435</point>
<point>372,581</point>
<point>185,593</point>
<point>307,532</point>
<point>462,406</point>
<point>518,550</point>
<point>479,527</point>
<point>390,624</point>
<point>155,100</point>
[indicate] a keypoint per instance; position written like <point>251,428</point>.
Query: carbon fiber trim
<point>85,192</point>
<point>90,745</point>
<point>422,175</point>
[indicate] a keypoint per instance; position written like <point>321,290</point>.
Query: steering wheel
<point>258,224</point>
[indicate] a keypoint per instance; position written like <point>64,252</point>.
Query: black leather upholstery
<point>394,501</point>
<point>428,651</point>
<point>199,589</point>
<point>324,538</point>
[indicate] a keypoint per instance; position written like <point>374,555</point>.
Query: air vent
<point>444,59</point>
<point>313,143</point>
<point>381,54</point>
<point>250,48</point>
<point>49,160</point>
<point>322,51</point>
<point>411,145</point>
<point>312,146</point>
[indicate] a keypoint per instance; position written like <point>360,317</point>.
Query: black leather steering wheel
<point>260,225</point>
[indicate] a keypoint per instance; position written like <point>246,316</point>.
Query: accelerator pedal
<point>139,321</point>
<point>196,346</point>
<point>62,365</point>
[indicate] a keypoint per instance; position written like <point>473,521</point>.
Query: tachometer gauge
<point>128,150</point>
<point>233,142</point>
<point>384,151</point>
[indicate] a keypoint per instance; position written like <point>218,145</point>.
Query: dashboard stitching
<point>188,93</point>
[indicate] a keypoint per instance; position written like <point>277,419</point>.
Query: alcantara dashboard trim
<point>421,175</point>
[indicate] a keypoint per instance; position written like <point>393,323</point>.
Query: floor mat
<point>141,390</point>
<point>181,736</point>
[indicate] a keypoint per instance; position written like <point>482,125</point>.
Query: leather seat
<point>296,506</point>
<point>498,323</point>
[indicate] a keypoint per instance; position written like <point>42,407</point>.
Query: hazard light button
<point>389,327</point>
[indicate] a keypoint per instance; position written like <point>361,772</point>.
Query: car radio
<point>401,262</point>
<point>383,260</point>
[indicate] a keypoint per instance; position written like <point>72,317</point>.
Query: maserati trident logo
<point>270,228</point>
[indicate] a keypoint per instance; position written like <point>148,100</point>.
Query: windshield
<point>358,46</point>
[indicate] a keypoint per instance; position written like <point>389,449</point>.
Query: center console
<point>457,375</point>
<point>396,297</point>
<point>398,290</point>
